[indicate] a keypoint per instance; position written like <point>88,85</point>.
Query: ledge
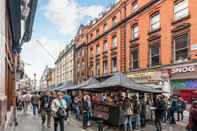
<point>180,20</point>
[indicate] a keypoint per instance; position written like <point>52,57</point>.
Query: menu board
<point>101,111</point>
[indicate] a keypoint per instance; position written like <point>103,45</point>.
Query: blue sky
<point>56,23</point>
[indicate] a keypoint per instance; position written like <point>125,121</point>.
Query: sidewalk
<point>28,122</point>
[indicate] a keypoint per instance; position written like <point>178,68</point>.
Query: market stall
<point>118,83</point>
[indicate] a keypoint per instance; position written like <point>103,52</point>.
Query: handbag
<point>61,112</point>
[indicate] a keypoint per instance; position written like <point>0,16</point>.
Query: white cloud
<point>66,15</point>
<point>37,56</point>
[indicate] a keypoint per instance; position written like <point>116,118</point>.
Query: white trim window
<point>135,6</point>
<point>135,58</point>
<point>155,54</point>
<point>114,64</point>
<point>135,32</point>
<point>181,9</point>
<point>105,67</point>
<point>105,45</point>
<point>181,48</point>
<point>97,50</point>
<point>155,22</point>
<point>114,41</point>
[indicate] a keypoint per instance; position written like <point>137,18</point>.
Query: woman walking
<point>59,111</point>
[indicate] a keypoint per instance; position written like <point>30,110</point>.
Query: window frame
<point>133,32</point>
<point>132,58</point>
<point>97,49</point>
<point>158,42</point>
<point>114,45</point>
<point>105,67</point>
<point>105,45</point>
<point>152,28</point>
<point>114,69</point>
<point>182,16</point>
<point>174,47</point>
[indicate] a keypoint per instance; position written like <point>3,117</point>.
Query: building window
<point>134,58</point>
<point>181,48</point>
<point>97,50</point>
<point>135,6</point>
<point>105,46</point>
<point>98,69</point>
<point>97,32</point>
<point>135,32</point>
<point>114,42</point>
<point>181,9</point>
<point>155,54</point>
<point>155,22</point>
<point>105,67</point>
<point>114,21</point>
<point>105,27</point>
<point>114,64</point>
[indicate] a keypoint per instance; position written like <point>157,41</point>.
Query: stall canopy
<point>119,82</point>
<point>89,82</point>
<point>63,86</point>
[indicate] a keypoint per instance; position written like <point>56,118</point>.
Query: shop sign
<point>146,76</point>
<point>183,69</point>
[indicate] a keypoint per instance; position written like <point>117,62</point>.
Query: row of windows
<point>106,66</point>
<point>181,10</point>
<point>180,52</point>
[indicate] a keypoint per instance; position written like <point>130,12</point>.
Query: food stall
<point>117,83</point>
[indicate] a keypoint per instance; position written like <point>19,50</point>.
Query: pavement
<point>28,122</point>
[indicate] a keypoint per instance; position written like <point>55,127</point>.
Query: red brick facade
<point>156,22</point>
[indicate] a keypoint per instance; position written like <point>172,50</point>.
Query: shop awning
<point>119,82</point>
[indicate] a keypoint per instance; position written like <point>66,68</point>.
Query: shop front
<point>183,79</point>
<point>157,78</point>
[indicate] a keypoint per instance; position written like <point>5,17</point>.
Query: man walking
<point>35,103</point>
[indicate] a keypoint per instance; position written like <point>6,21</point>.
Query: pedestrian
<point>192,125</point>
<point>158,112</point>
<point>127,109</point>
<point>59,111</point>
<point>142,112</point>
<point>45,108</point>
<point>180,108</point>
<point>87,108</point>
<point>173,109</point>
<point>76,105</point>
<point>163,109</point>
<point>68,100</point>
<point>35,103</point>
<point>137,110</point>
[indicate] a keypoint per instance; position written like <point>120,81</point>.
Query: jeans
<point>85,119</point>
<point>164,116</point>
<point>77,113</point>
<point>34,106</point>
<point>143,120</point>
<point>180,114</point>
<point>60,121</point>
<point>138,120</point>
<point>127,123</point>
<point>172,119</point>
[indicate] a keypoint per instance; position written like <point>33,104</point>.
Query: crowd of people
<point>136,111</point>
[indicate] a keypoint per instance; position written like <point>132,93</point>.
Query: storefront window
<point>181,48</point>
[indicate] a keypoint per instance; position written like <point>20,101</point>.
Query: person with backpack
<point>58,108</point>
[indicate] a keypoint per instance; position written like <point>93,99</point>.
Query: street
<point>28,122</point>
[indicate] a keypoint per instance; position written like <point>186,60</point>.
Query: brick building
<point>143,38</point>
